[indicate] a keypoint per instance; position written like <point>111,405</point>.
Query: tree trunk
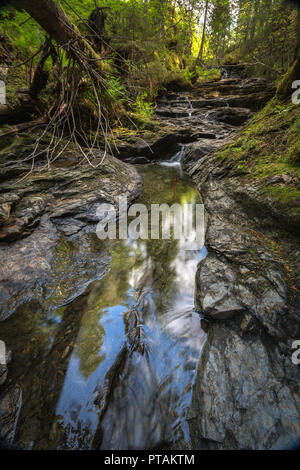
<point>285,89</point>
<point>41,76</point>
<point>55,22</point>
<point>199,58</point>
<point>254,21</point>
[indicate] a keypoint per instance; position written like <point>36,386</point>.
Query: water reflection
<point>114,368</point>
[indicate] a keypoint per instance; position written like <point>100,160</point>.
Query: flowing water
<point>114,368</point>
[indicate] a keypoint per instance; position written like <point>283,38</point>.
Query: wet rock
<point>6,202</point>
<point>62,192</point>
<point>235,86</point>
<point>234,116</point>
<point>158,146</point>
<point>24,219</point>
<point>246,395</point>
<point>24,265</point>
<point>253,101</point>
<point>224,290</point>
<point>216,285</point>
<point>200,149</point>
<point>69,226</point>
<point>138,160</point>
<point>208,103</point>
<point>198,154</point>
<point>36,258</point>
<point>172,112</point>
<point>3,374</point>
<point>246,392</point>
<point>4,213</point>
<point>4,369</point>
<point>10,404</point>
<point>241,267</point>
<point>235,71</point>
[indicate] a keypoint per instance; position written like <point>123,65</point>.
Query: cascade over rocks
<point>233,116</point>
<point>247,390</point>
<point>246,393</point>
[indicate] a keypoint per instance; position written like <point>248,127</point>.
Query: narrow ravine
<point>136,400</point>
<point>114,367</point>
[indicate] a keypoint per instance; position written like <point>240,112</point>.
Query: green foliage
<point>265,34</point>
<point>152,45</point>
<point>190,75</point>
<point>115,88</point>
<point>293,154</point>
<point>208,74</point>
<point>220,23</point>
<point>23,31</point>
<point>12,98</point>
<point>142,107</point>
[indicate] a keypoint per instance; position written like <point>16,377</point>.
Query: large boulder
<point>242,398</point>
<point>45,244</point>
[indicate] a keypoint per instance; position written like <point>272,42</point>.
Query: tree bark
<point>254,21</point>
<point>199,58</point>
<point>55,22</point>
<point>284,89</point>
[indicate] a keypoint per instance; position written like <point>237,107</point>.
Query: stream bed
<point>114,368</point>
<point>107,346</point>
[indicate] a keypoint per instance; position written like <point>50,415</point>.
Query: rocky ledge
<point>49,251</point>
<point>46,220</point>
<point>247,389</point>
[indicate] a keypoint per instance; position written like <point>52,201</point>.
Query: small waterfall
<point>191,109</point>
<point>224,73</point>
<point>180,154</point>
<point>175,161</point>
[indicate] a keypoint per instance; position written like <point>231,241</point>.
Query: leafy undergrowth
<point>207,75</point>
<point>268,151</point>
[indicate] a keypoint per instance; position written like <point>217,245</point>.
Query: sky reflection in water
<point>149,404</point>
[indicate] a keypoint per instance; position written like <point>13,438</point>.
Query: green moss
<point>285,85</point>
<point>16,79</point>
<point>12,98</point>
<point>270,146</point>
<point>285,193</point>
<point>208,74</point>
